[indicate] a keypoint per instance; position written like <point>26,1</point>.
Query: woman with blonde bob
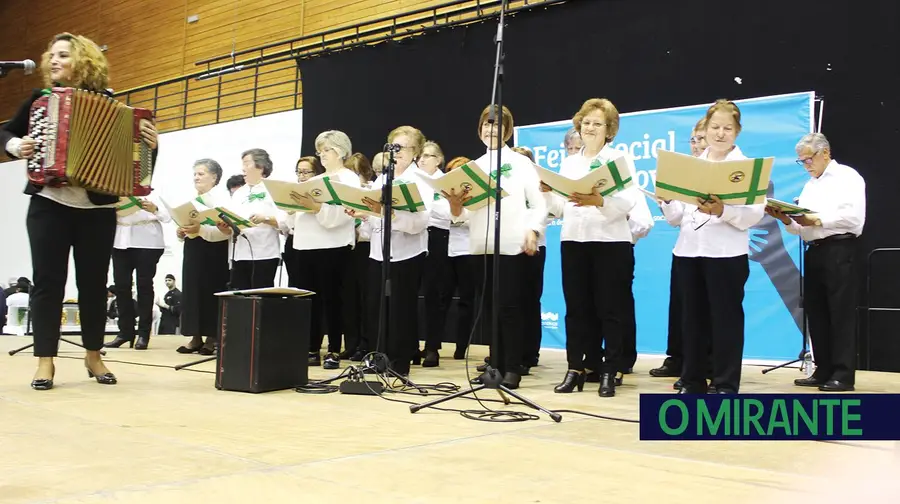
<point>596,252</point>
<point>409,246</point>
<point>64,218</point>
<point>323,239</point>
<point>713,266</point>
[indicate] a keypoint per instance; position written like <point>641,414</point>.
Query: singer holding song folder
<point>837,195</point>
<point>713,266</point>
<point>68,217</point>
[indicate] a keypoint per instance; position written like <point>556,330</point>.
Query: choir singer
<point>837,195</point>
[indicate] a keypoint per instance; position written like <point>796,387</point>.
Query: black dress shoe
<point>142,343</point>
<point>571,381</point>
<point>432,359</point>
<point>836,386</point>
<point>511,380</point>
<point>119,341</point>
<point>678,385</point>
<point>809,382</point>
<point>607,385</point>
<point>665,371</point>
<point>712,389</point>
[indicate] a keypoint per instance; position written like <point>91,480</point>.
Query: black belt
<point>832,238</point>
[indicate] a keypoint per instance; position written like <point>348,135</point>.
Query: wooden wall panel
<point>151,41</point>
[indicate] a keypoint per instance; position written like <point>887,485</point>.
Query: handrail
<point>868,308</point>
<point>183,97</point>
<point>322,45</point>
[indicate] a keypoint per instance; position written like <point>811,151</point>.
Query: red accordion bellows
<point>86,139</point>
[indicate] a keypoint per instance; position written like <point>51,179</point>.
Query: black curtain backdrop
<point>645,55</point>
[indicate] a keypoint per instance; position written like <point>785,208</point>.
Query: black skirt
<point>204,272</point>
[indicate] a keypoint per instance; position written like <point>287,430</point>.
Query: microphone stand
<point>491,378</point>
<point>378,361</point>
<point>235,232</point>
<point>28,319</point>
<point>805,357</point>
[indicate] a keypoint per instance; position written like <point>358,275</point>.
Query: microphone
<point>234,228</point>
<point>392,148</point>
<point>26,65</point>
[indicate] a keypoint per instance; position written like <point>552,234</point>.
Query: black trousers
<point>354,298</point>
<point>53,229</point>
<point>712,295</point>
<point>125,263</point>
<point>534,285</point>
<point>258,274</point>
<point>322,271</point>
<point>462,279</point>
<point>506,346</point>
<point>596,278</point>
<point>400,340</point>
<point>675,340</point>
<point>830,299</point>
<point>437,287</point>
<point>629,344</point>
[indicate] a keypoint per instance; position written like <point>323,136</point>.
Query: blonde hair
<point>610,115</point>
<point>457,162</point>
<point>727,106</point>
<point>337,140</point>
<point>507,123</point>
<point>415,136</point>
<point>525,151</point>
<point>359,164</point>
<point>90,70</point>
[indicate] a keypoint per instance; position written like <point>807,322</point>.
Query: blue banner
<point>769,417</point>
<point>771,127</point>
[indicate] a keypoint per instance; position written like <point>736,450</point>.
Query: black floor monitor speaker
<point>263,343</point>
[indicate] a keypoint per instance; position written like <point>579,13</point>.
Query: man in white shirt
<point>836,194</point>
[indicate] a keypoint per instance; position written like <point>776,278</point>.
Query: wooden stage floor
<point>165,436</point>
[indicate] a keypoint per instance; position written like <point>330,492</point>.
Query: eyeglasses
<point>305,172</point>
<point>320,154</point>
<point>694,220</point>
<point>697,139</point>
<point>807,161</point>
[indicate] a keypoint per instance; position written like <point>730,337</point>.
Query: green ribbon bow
<point>504,170</point>
<point>132,202</point>
<point>256,196</point>
<point>595,164</point>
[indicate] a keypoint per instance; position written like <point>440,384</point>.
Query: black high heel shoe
<point>44,383</point>
<point>119,341</point>
<point>104,379</point>
<point>607,385</point>
<point>573,379</point>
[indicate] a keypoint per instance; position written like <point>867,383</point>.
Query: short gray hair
<point>261,160</point>
<point>212,167</point>
<point>337,140</point>
<point>813,141</point>
<point>571,134</point>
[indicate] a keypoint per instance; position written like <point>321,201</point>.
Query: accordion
<point>89,140</point>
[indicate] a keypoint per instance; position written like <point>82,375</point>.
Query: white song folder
<point>319,188</point>
<point>609,178</point>
<point>468,177</point>
<point>686,178</point>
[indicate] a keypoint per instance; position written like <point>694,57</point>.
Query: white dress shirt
<point>522,210</point>
<point>440,212</point>
<point>838,198</point>
<point>640,220</point>
<point>142,229</point>
<point>409,230</point>
<point>331,227</point>
<point>703,235</point>
<point>458,244</point>
<point>608,223</point>
<point>265,241</point>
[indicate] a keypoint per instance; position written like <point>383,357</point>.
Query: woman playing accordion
<point>68,217</point>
